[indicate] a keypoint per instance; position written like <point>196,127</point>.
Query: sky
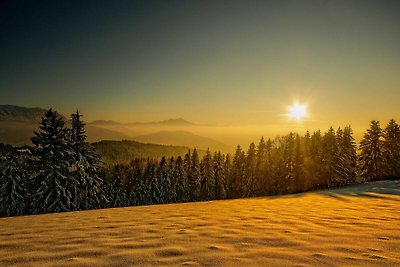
<point>210,62</point>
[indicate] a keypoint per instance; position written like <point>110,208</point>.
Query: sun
<point>297,111</point>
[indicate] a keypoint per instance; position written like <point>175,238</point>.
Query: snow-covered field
<point>353,226</point>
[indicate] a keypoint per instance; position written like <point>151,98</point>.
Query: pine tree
<point>173,180</point>
<point>237,177</point>
<point>261,166</point>
<point>288,182</point>
<point>152,187</point>
<point>181,180</point>
<point>250,183</point>
<point>330,151</point>
<point>164,181</point>
<point>118,194</point>
<point>138,190</point>
<point>88,164</point>
<point>298,164</point>
<point>346,158</point>
<point>57,190</point>
<point>207,191</point>
<point>391,150</point>
<point>194,177</point>
<point>371,155</point>
<point>13,180</point>
<point>219,176</point>
<point>316,165</point>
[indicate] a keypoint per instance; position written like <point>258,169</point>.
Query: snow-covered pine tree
<point>152,186</point>
<point>346,158</point>
<point>56,188</point>
<point>261,165</point>
<point>194,177</point>
<point>180,179</point>
<point>87,166</point>
<point>371,154</point>
<point>250,180</point>
<point>237,175</point>
<point>13,181</point>
<point>219,176</point>
<point>207,191</point>
<point>298,165</point>
<point>173,197</point>
<point>163,181</point>
<point>329,158</point>
<point>391,150</point>
<point>316,165</point>
<point>287,184</point>
<point>118,194</point>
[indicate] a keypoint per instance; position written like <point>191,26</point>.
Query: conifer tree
<point>371,155</point>
<point>87,166</point>
<point>164,181</point>
<point>141,189</point>
<point>118,194</point>
<point>346,158</point>
<point>219,176</point>
<point>237,177</point>
<point>181,180</point>
<point>173,180</point>
<point>152,186</point>
<point>261,165</point>
<point>13,181</point>
<point>56,188</point>
<point>194,177</point>
<point>391,150</point>
<point>250,180</point>
<point>207,191</point>
<point>330,151</point>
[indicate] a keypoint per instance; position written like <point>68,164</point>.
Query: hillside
<point>125,151</point>
<point>182,138</point>
<point>353,226</point>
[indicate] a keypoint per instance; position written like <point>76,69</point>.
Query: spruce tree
<point>118,194</point>
<point>194,177</point>
<point>56,188</point>
<point>163,181</point>
<point>152,183</point>
<point>371,154</point>
<point>207,191</point>
<point>346,158</point>
<point>219,176</point>
<point>329,159</point>
<point>88,165</point>
<point>181,180</point>
<point>13,181</point>
<point>237,177</point>
<point>391,150</point>
<point>250,180</point>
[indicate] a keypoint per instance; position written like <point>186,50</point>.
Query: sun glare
<point>297,111</point>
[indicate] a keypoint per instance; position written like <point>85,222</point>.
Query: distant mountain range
<point>16,113</point>
<point>18,123</point>
<point>170,122</point>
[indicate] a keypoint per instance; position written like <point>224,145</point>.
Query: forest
<point>61,171</point>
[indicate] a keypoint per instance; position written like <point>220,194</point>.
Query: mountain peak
<point>177,121</point>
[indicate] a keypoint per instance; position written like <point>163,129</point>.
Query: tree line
<point>61,171</point>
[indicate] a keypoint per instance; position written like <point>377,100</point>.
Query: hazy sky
<point>222,62</point>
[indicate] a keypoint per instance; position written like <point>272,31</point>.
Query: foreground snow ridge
<point>353,226</point>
